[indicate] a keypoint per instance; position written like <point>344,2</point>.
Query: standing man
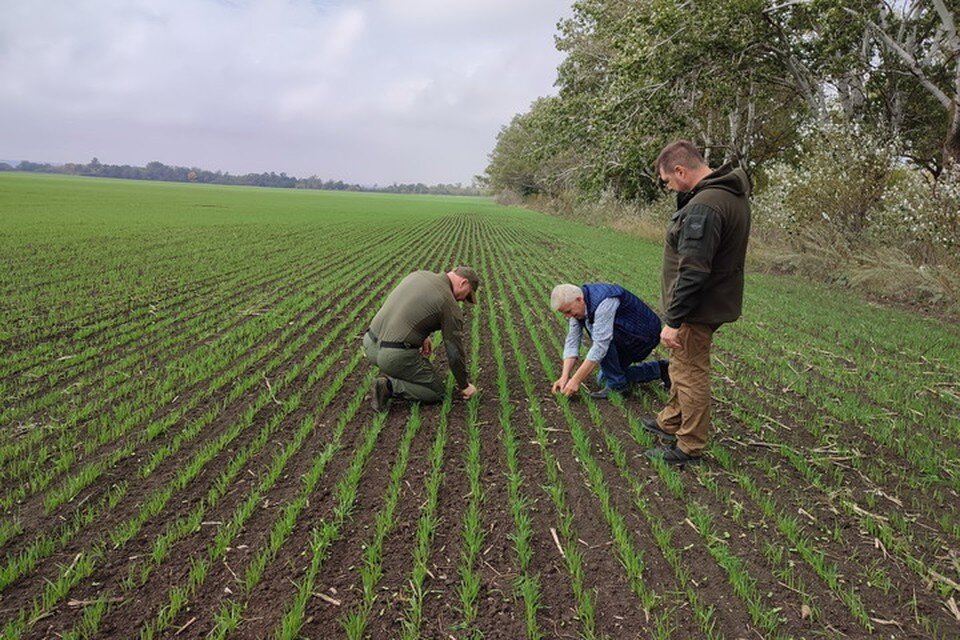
<point>398,340</point>
<point>702,287</point>
<point>623,329</point>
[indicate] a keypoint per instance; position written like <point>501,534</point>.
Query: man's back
<point>416,308</point>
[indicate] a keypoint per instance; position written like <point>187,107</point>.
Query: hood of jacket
<point>728,178</point>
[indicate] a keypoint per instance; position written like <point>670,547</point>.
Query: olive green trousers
<point>411,375</point>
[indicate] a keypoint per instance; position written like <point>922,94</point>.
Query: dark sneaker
<point>650,424</point>
<point>605,391</point>
<point>380,393</point>
<point>665,373</point>
<point>671,454</point>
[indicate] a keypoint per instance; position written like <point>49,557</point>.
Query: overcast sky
<point>369,91</point>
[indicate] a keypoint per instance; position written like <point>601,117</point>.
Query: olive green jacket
<point>705,250</point>
<point>422,303</point>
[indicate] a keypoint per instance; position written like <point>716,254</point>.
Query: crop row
<point>266,398</point>
<point>815,557</point>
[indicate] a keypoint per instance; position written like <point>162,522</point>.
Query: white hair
<point>564,294</point>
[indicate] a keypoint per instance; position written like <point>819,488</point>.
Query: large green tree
<point>741,78</point>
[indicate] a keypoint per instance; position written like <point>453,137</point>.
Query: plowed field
<point>188,450</point>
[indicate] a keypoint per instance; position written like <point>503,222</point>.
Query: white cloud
<point>369,91</point>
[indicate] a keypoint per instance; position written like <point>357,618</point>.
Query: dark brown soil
<point>900,601</point>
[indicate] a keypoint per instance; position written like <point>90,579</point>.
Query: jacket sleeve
<point>451,327</point>
<point>602,333</point>
<point>571,344</point>
<point>697,242</point>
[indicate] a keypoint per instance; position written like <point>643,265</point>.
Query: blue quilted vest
<point>636,327</point>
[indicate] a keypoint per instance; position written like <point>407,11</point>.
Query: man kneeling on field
<point>624,331</point>
<point>398,340</point>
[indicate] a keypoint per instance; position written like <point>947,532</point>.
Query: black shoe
<point>665,373</point>
<point>605,391</point>
<point>380,393</point>
<point>651,425</point>
<point>671,454</point>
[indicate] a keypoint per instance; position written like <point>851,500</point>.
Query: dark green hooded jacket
<point>705,250</point>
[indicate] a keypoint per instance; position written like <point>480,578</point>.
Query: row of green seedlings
<point>879,407</point>
<point>41,547</point>
<point>354,622</point>
<point>765,359</point>
<point>427,524</point>
<point>39,347</point>
<point>103,254</point>
<point>775,554</point>
<point>468,588</point>
<point>845,596</point>
<point>121,534</point>
<point>117,537</point>
<point>630,557</point>
<point>704,614</point>
<point>328,531</point>
<point>140,406</point>
<point>40,359</point>
<point>766,617</point>
<point>870,471</point>
<point>571,554</point>
<point>159,324</point>
<point>89,320</point>
<point>184,526</point>
<point>527,585</point>
<point>899,382</point>
<point>229,616</point>
<point>132,399</point>
<point>179,596</point>
<point>878,526</point>
<point>927,481</point>
<point>52,372</point>
<point>762,615</point>
<point>200,372</point>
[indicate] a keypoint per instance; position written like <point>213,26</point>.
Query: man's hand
<point>668,336</point>
<point>427,347</point>
<point>571,387</point>
<point>558,385</point>
<point>468,391</point>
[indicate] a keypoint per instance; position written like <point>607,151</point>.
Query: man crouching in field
<point>624,331</point>
<point>398,340</point>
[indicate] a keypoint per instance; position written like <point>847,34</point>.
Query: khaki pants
<point>411,375</point>
<point>687,413</point>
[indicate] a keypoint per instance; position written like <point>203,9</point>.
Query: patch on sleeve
<point>696,233</point>
<point>695,225</point>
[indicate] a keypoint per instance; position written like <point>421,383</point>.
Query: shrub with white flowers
<point>857,186</point>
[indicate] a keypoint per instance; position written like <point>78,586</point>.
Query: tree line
<point>748,80</point>
<point>159,171</point>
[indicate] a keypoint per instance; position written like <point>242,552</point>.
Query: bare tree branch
<point>911,62</point>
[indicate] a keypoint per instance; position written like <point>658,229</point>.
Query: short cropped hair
<point>683,153</point>
<point>564,294</point>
